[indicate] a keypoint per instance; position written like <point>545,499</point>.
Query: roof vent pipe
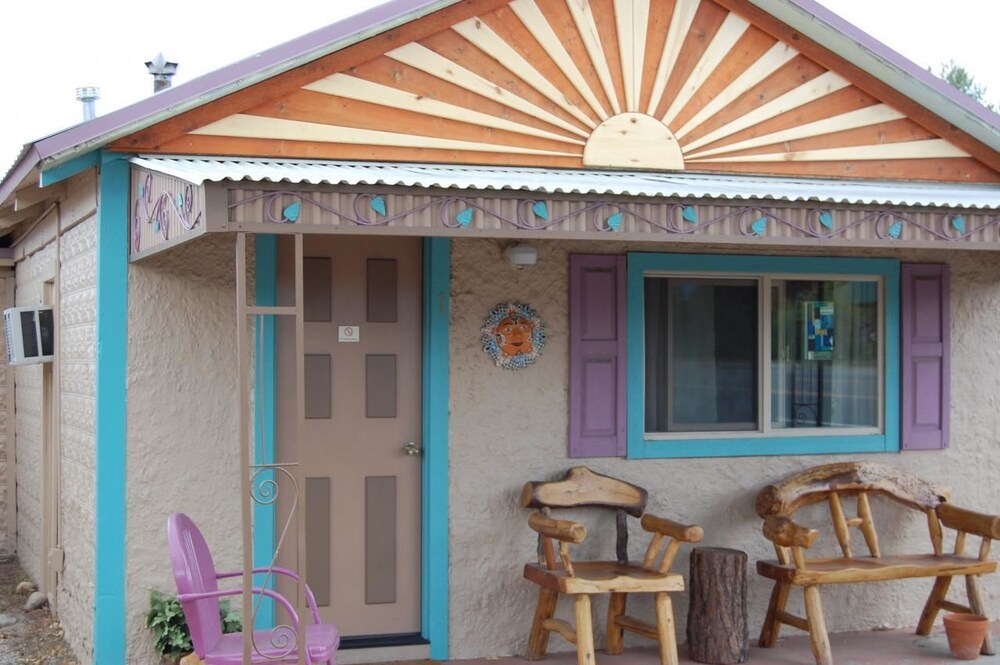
<point>88,96</point>
<point>162,72</point>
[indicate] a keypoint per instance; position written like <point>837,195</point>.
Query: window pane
<point>824,353</point>
<point>701,355</point>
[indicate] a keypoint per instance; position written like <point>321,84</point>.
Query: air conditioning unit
<point>31,334</point>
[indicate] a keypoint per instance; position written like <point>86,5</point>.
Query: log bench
<point>835,483</point>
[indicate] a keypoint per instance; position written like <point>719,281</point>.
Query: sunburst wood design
<point>644,84</point>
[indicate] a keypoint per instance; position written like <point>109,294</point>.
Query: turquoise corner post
<point>110,458</point>
<point>434,550</point>
<point>266,284</point>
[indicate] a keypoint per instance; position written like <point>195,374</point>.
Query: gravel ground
<point>27,638</point>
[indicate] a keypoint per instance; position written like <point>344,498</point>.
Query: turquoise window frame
<point>736,445</point>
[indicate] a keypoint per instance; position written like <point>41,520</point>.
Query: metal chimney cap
<point>88,93</point>
<point>159,66</point>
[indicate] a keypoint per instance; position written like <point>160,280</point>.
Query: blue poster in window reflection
<point>819,324</point>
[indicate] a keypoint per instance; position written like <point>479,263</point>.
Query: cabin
<point>339,301</point>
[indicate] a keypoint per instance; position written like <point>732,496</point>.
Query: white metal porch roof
<point>558,181</point>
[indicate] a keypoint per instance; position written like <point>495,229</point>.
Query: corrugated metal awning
<point>556,181</point>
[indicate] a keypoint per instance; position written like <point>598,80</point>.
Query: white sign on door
<point>348,334</point>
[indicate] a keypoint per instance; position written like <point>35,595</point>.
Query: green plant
<point>166,619</point>
<point>172,638</point>
<point>231,621</point>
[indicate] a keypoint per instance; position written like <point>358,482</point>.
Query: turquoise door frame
<point>434,537</point>
<point>434,549</point>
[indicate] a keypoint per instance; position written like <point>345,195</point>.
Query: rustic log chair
<point>555,575</point>
<point>832,483</point>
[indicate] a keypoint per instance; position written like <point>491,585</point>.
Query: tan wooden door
<point>360,449</point>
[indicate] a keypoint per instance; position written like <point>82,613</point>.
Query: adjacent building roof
<point>562,181</point>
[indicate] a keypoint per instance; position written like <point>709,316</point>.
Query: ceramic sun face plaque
<point>513,335</point>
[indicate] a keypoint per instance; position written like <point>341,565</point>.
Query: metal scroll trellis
<point>265,489</point>
<point>674,218</point>
<point>284,639</point>
<point>261,479</point>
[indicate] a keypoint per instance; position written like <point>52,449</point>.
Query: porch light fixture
<point>522,255</point>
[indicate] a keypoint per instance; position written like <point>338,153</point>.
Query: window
<point>753,355</point>
<point>701,354</point>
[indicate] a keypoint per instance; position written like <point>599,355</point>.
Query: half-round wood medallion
<point>633,141</point>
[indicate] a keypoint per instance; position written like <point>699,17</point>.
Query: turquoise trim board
<point>640,447</point>
<point>434,547</point>
<point>266,294</point>
<point>110,417</point>
<point>71,168</point>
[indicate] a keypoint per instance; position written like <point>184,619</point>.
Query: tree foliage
<point>960,78</point>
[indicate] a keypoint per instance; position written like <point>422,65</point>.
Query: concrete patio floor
<point>891,647</point>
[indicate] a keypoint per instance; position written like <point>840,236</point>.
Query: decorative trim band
<point>163,208</point>
<point>610,217</point>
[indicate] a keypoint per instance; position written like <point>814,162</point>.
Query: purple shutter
<point>926,368</point>
<point>596,355</point>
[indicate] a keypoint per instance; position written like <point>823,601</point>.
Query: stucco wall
<point>74,431</point>
<point>508,427</point>
<point>183,452</point>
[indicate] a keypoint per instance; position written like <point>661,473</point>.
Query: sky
<point>48,49</point>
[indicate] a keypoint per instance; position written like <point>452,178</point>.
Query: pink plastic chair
<point>198,592</point>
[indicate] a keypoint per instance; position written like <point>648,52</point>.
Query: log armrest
<point>564,530</point>
<point>689,533</point>
<point>786,533</point>
<point>960,519</point>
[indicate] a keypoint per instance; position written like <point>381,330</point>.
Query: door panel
<point>363,404</point>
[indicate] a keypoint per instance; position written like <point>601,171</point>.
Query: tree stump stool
<point>717,614</point>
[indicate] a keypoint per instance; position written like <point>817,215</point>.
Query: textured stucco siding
<point>183,451</point>
<point>74,430</point>
<point>508,427</point>
<point>32,273</point>
<point>8,504</point>
<point>78,391</point>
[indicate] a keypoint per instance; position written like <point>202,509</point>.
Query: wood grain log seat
<point>833,483</point>
<point>559,574</point>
